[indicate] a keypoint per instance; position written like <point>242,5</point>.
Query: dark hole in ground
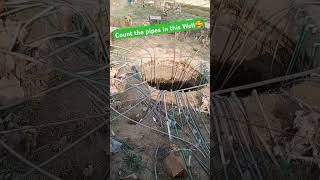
<point>167,78</point>
<point>254,70</point>
<point>170,84</point>
<point>174,85</point>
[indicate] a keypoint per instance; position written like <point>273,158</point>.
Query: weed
<point>133,161</point>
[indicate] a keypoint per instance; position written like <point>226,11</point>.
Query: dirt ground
<point>145,142</point>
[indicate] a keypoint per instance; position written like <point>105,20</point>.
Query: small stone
<point>174,166</point>
<point>154,119</point>
<point>115,146</point>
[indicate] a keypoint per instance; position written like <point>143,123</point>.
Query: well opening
<point>260,68</point>
<point>172,77</point>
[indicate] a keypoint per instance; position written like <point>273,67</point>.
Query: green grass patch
<point>133,161</point>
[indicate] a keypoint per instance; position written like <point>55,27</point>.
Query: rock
<point>205,106</point>
<point>174,166</point>
<point>130,177</point>
<point>113,90</point>
<point>115,146</point>
<point>154,119</point>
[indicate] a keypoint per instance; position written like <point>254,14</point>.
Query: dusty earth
<point>152,57</point>
<point>144,141</point>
